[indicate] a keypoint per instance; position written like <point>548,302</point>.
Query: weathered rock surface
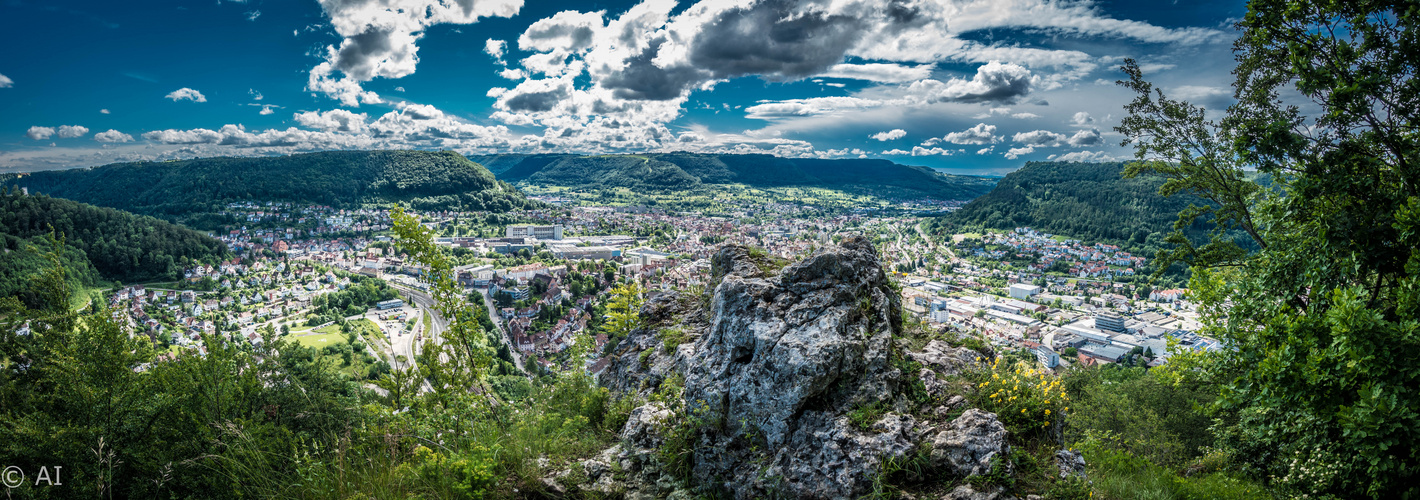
<point>640,362</point>
<point>968,445</point>
<point>786,357</point>
<point>945,359</point>
<point>967,492</point>
<point>1071,463</point>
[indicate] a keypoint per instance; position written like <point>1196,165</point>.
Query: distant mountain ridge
<point>173,189</point>
<point>692,171</point>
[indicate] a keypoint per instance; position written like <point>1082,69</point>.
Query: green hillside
<point>1090,201</point>
<point>694,172</point>
<point>120,245</point>
<point>178,189</point>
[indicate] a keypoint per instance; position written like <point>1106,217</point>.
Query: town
<point>335,280</point>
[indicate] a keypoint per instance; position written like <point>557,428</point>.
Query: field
<point>334,345</point>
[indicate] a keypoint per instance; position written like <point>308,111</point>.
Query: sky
<point>974,87</point>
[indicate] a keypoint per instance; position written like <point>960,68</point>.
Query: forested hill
<point>1090,201</point>
<point>120,245</point>
<point>175,189</point>
<point>691,171</point>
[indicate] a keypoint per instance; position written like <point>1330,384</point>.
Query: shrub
<point>1028,401</point>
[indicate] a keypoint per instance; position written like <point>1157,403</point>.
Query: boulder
<point>969,444</point>
<point>967,492</point>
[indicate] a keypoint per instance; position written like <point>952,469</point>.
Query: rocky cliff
<point>789,382</point>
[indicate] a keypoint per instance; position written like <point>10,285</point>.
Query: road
<point>512,348</point>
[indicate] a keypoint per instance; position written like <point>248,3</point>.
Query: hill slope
<point>1090,201</point>
<point>175,189</point>
<point>682,171</point>
<point>122,246</point>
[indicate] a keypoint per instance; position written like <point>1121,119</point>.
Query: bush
<point>1028,401</point>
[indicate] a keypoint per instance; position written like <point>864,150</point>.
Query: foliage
<point>190,188</point>
<point>1028,401</point>
<point>1145,413</point>
<point>691,173</point>
<point>1321,330</point>
<point>120,245</point>
<point>623,310</point>
<point>1117,474</point>
<point>21,260</point>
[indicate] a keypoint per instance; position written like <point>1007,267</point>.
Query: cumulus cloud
<point>1089,137</point>
<point>993,82</point>
<point>112,136</point>
<point>266,110</point>
<point>104,111</point>
<point>186,93</point>
<point>1082,119</point>
<point>39,133</point>
<point>379,40</point>
<point>334,120</point>
<point>255,96</point>
<point>1039,138</point>
<point>805,107</point>
<point>889,135</point>
<point>986,151</point>
<point>1014,153</point>
<point>978,135</point>
<point>496,48</point>
<point>72,131</point>
<point>6,82</point>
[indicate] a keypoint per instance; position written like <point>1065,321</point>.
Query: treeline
<point>688,172</point>
<point>121,246</point>
<point>191,188</point>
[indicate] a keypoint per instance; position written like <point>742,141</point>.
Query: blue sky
<point>972,86</point>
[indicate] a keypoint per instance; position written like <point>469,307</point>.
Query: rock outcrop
<point>791,388</point>
<point>969,444</point>
<point>786,357</point>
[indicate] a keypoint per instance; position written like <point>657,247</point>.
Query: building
<point>1047,356</point>
<point>1023,291</point>
<point>1110,322</point>
<point>591,252</point>
<point>1110,353</point>
<point>553,232</point>
<point>389,304</point>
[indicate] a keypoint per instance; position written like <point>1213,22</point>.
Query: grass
<point>1117,474</point>
<point>321,340</point>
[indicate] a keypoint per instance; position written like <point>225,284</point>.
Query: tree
<point>1322,317</point>
<point>623,311</point>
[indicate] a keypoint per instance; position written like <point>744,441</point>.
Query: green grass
<point>1117,474</point>
<point>321,340</point>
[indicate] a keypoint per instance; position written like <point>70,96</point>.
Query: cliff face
<point>794,386</point>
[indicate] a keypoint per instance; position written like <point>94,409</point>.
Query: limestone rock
<point>945,359</point>
<point>967,492</point>
<point>968,445</point>
<point>1071,463</point>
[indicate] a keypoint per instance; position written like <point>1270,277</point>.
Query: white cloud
<point>104,111</point>
<point>72,131</point>
<point>112,136</point>
<point>496,49</point>
<point>186,93</point>
<point>39,133</point>
<point>1025,116</point>
<point>1090,137</point>
<point>266,110</point>
<point>1085,156</point>
<point>1082,119</point>
<point>986,151</point>
<point>1014,153</point>
<point>889,135</point>
<point>766,110</point>
<point>399,89</point>
<point>993,82</point>
<point>379,40</point>
<point>255,96</point>
<point>338,120</point>
<point>6,82</point>
<point>879,72</point>
<point>1039,138</point>
<point>979,135</point>
<point>252,15</point>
